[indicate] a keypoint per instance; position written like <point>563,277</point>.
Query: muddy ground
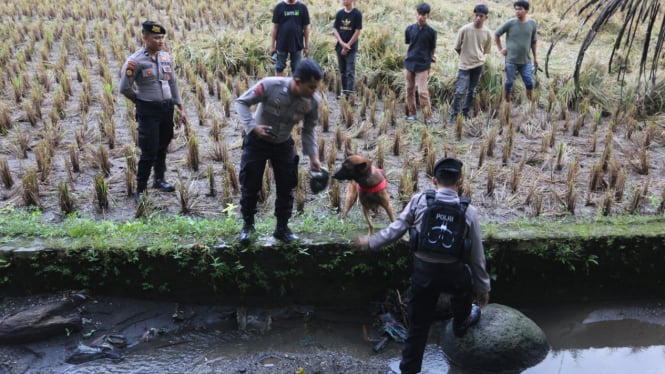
<point>178,338</point>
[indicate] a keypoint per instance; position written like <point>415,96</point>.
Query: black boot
<point>163,185</point>
<point>459,328</point>
<point>283,232</point>
<point>245,236</point>
<point>138,197</point>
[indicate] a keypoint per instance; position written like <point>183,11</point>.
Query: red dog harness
<point>381,186</point>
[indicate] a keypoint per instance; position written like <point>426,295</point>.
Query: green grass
<point>169,233</point>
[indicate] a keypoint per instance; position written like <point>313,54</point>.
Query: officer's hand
<point>264,132</point>
<point>183,117</point>
<point>482,299</point>
<point>361,243</point>
<point>314,163</point>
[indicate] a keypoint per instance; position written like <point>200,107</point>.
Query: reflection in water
<point>648,360</point>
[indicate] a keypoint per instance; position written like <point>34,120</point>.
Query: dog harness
<point>381,186</point>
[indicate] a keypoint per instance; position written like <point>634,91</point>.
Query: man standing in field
<point>347,26</point>
<point>151,71</point>
<point>520,38</point>
<point>421,39</point>
<point>474,41</point>
<point>290,26</point>
<point>281,103</point>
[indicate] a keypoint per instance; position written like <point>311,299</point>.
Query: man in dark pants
<point>290,34</point>
<point>437,272</point>
<point>347,26</point>
<point>150,69</point>
<point>282,104</point>
<point>474,41</point>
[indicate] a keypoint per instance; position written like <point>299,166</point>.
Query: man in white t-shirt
<point>474,41</point>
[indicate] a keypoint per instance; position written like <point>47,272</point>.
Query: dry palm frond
<point>633,13</point>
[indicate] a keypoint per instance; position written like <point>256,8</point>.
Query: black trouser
<point>347,70</point>
<point>284,162</point>
<point>427,282</point>
<point>155,133</point>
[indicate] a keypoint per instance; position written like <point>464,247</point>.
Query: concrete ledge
<point>536,268</point>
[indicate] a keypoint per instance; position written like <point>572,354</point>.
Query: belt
<point>258,138</point>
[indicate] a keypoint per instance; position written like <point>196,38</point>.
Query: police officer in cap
<point>435,273</point>
<point>149,81</point>
<point>281,103</point>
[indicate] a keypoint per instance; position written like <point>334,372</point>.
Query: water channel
<point>592,337</point>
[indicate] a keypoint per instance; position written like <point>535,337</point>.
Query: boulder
<point>504,340</point>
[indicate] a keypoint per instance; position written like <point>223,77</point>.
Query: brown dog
<point>368,184</point>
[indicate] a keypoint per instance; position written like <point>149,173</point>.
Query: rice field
<point>68,139</point>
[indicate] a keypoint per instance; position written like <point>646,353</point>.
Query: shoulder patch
<point>131,64</point>
<point>129,72</point>
<point>260,89</point>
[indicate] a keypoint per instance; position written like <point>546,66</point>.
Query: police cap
<point>152,27</point>
<point>448,165</point>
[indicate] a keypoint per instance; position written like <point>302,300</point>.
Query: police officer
<point>149,81</point>
<point>435,273</point>
<point>282,103</point>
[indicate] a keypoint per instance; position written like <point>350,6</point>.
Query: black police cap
<point>152,27</point>
<point>449,165</point>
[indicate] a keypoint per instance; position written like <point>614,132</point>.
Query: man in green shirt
<point>520,38</point>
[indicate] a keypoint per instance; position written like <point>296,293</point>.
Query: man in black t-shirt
<point>347,26</point>
<point>421,39</point>
<point>290,26</point>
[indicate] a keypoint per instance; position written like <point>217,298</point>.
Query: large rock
<point>504,340</point>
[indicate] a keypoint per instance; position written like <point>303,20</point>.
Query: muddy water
<point>608,337</point>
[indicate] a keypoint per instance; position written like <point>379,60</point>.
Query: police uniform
<point>436,273</point>
<point>151,84</point>
<point>279,108</point>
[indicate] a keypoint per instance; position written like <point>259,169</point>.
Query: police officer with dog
<point>148,80</point>
<point>282,103</point>
<point>449,257</point>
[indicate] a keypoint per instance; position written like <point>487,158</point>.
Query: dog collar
<point>381,186</point>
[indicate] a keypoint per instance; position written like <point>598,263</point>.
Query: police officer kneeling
<point>448,257</point>
<point>149,81</point>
